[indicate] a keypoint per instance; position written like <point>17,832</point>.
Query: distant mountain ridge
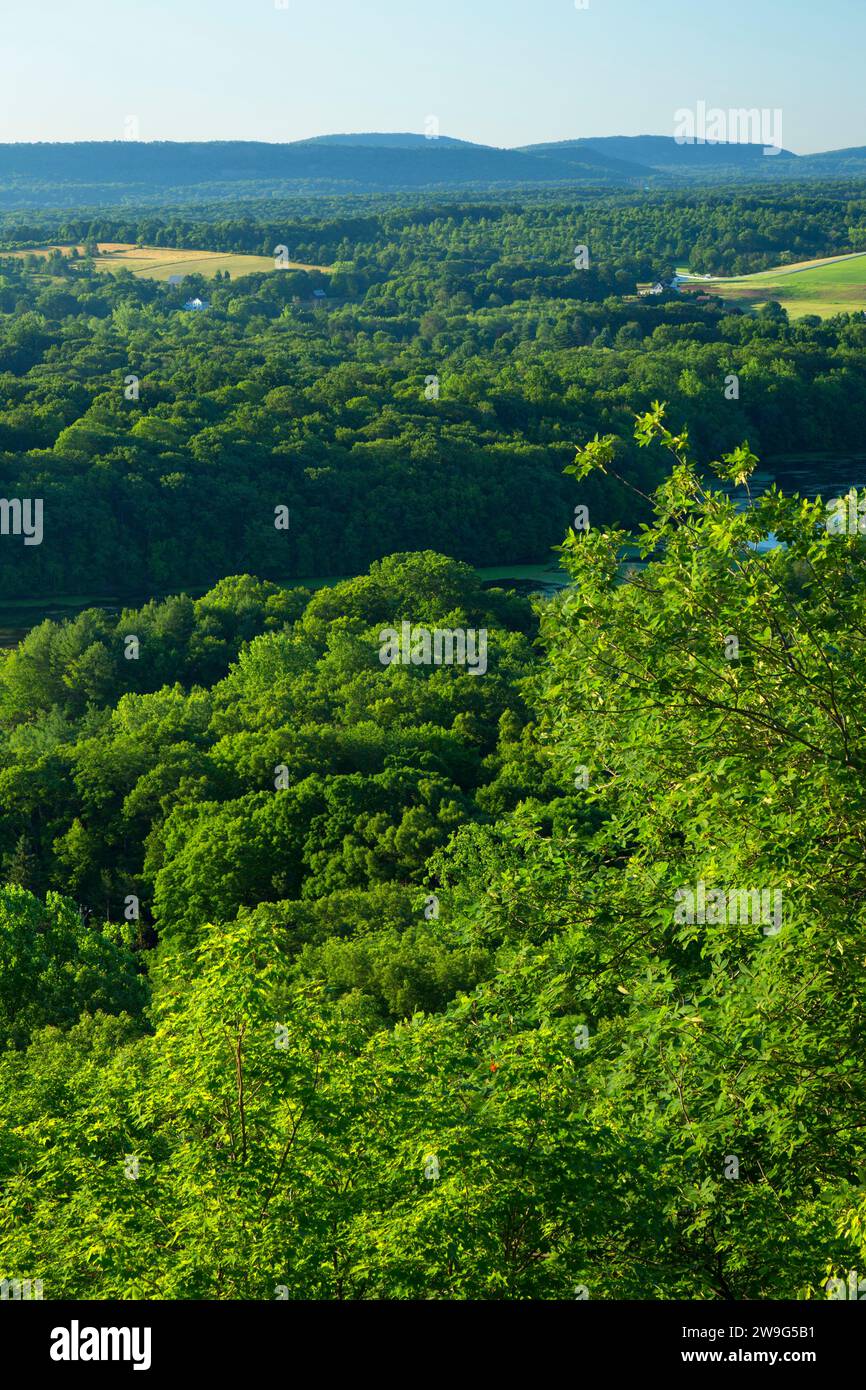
<point>405,139</point>
<point>664,152</point>
<point>842,162</point>
<point>106,172</point>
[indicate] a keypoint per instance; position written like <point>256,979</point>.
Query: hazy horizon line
<point>420,135</point>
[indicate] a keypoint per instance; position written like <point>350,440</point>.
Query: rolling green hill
<point>109,172</point>
<point>662,153</point>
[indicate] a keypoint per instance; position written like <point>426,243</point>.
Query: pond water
<point>816,476</point>
<point>18,616</point>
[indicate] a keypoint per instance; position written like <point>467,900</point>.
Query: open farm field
<point>161,262</point>
<point>835,285</point>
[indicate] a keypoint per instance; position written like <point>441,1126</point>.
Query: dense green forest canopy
<point>420,1016</point>
<point>429,397</point>
<point>327,976</point>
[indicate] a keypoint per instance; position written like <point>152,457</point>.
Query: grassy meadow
<point>161,262</point>
<point>834,285</point>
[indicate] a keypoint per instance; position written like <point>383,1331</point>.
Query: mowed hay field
<point>159,262</point>
<point>835,285</point>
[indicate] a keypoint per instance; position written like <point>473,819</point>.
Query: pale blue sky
<point>503,72</point>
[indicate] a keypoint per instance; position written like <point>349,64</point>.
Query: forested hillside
<point>430,399</point>
<point>117,173</point>
<point>432,686</point>
<point>334,973</point>
<point>325,978</point>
